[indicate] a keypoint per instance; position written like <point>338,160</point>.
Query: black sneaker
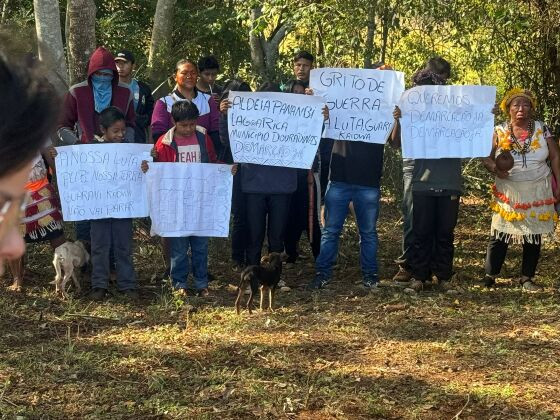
<point>131,294</point>
<point>320,281</point>
<point>488,281</point>
<point>97,294</point>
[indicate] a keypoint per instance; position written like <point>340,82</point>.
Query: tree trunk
<point>161,38</point>
<point>319,46</point>
<point>81,37</point>
<point>370,35</point>
<point>49,40</point>
<point>387,22</point>
<point>4,12</point>
<point>256,45</point>
<point>264,53</point>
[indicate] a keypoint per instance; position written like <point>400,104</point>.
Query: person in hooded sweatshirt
<point>86,100</point>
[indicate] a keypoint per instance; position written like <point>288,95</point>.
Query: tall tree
<point>161,36</point>
<point>370,35</point>
<point>49,40</point>
<point>81,37</point>
<point>265,50</point>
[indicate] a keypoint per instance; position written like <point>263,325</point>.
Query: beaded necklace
<point>521,149</point>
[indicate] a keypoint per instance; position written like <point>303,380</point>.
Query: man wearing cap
<point>142,94</point>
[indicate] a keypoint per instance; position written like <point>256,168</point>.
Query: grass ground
<point>342,353</point>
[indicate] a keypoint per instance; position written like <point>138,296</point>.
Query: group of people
<point>190,125</point>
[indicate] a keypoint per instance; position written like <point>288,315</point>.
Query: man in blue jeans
<point>356,169</point>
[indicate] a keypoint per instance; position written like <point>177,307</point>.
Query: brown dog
<point>263,277</point>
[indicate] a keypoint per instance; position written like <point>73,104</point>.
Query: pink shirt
<point>188,149</point>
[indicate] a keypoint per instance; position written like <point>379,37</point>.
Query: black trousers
<point>496,255</point>
<point>266,213</point>
<point>325,152</point>
<point>239,232</point>
<point>298,219</point>
<point>434,221</point>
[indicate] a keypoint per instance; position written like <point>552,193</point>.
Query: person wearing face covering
<point>86,100</point>
<point>83,104</point>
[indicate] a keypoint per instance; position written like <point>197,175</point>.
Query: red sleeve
<point>165,153</point>
<point>69,116</point>
<point>212,158</point>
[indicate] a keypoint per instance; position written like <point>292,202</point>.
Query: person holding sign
<point>435,72</point>
<point>524,194</point>
<point>107,234</point>
<point>187,143</point>
<point>356,169</point>
<point>436,186</point>
<point>239,233</point>
<point>437,183</point>
<point>267,191</point>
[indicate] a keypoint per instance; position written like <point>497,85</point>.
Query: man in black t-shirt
<point>355,175</point>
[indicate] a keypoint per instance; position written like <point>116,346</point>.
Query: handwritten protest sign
<point>189,200</point>
<point>360,101</point>
<point>99,181</point>
<point>447,121</point>
<point>277,129</point>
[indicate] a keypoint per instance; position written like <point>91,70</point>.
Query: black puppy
<point>263,277</point>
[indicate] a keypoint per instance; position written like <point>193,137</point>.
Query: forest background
<point>502,42</point>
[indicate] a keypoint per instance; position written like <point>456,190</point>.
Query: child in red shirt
<point>186,142</point>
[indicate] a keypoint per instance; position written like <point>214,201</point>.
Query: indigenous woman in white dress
<point>524,158</point>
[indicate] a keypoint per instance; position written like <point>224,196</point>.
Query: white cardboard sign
<point>447,121</point>
<point>360,101</point>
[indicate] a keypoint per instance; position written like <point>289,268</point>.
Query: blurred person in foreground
<point>28,114</point>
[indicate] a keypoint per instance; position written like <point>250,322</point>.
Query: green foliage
<point>504,43</point>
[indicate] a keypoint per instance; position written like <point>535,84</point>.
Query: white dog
<point>68,257</point>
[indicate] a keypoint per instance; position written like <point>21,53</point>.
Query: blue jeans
<point>180,265</point>
<point>366,205</point>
